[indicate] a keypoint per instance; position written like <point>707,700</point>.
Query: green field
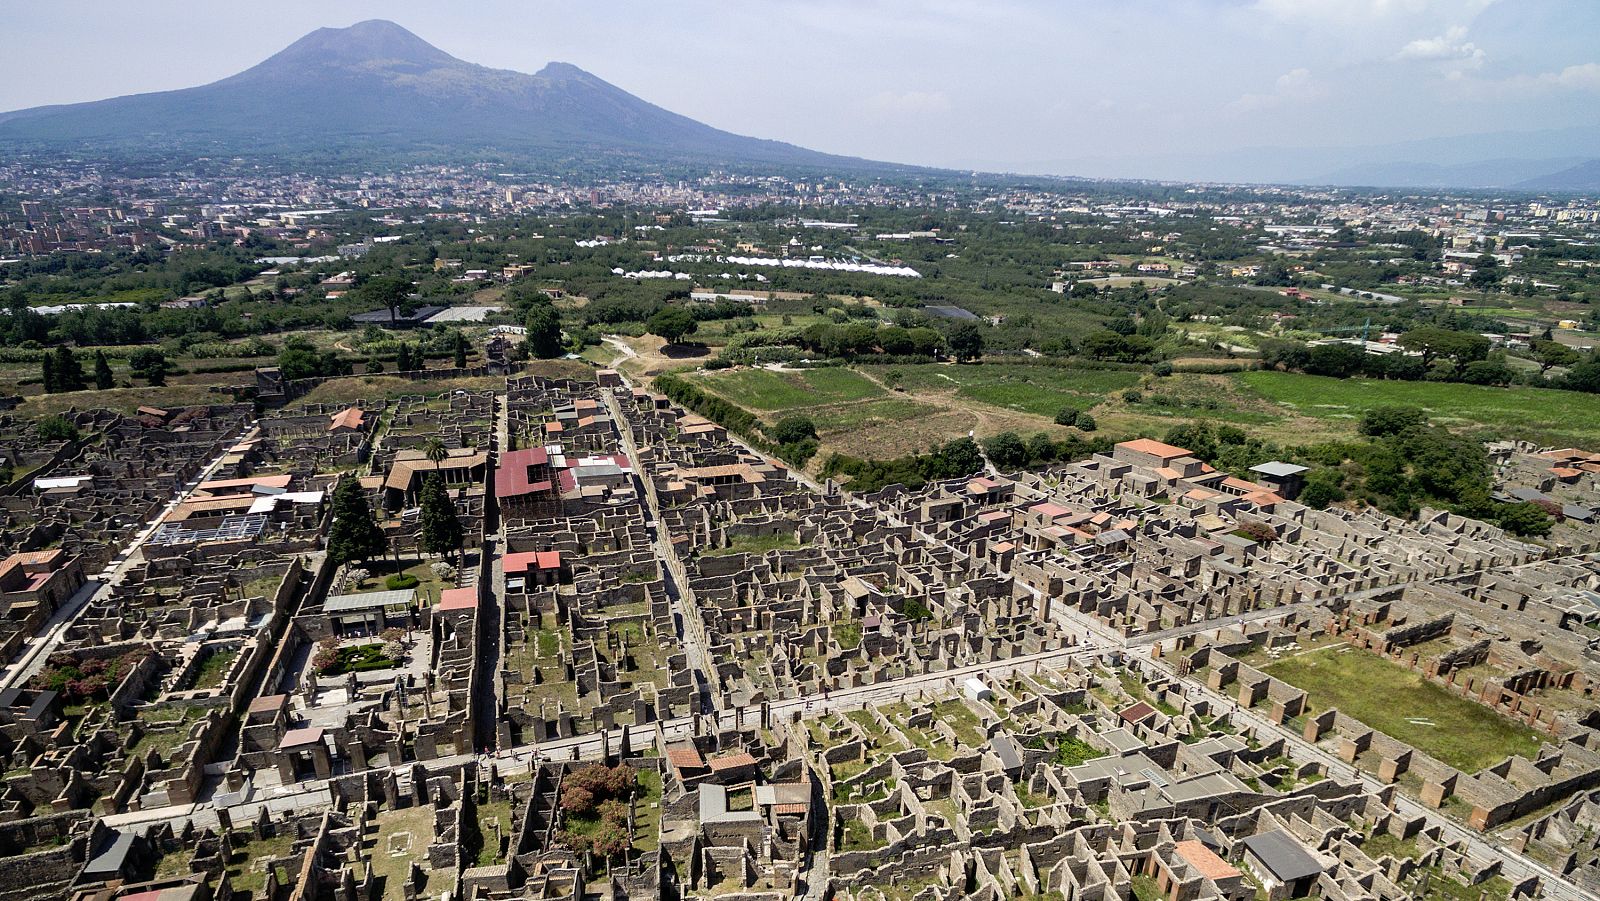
<point>851,417</point>
<point>1540,414</point>
<point>1404,706</point>
<point>1040,390</point>
<point>763,389</point>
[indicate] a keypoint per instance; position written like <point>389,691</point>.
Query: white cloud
<point>1293,86</point>
<point>1581,78</point>
<point>1585,77</point>
<point>914,103</point>
<point>1449,48</point>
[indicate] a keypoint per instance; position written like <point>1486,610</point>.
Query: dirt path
<point>989,420</point>
<point>648,356</point>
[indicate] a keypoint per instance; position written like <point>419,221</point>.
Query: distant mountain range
<point>374,93</point>
<point>375,89</point>
<point>1566,159</point>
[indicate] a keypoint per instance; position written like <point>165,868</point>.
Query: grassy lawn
<point>428,584</point>
<point>1539,413</point>
<point>763,389</point>
<point>1040,390</point>
<point>1399,703</point>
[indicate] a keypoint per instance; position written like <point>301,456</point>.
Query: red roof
<point>1137,713</point>
<point>458,599</point>
<point>350,418</point>
<point>1049,510</point>
<point>686,758</point>
<point>732,760</point>
<point>1205,860</point>
<point>1154,448</point>
<point>513,479</point>
<point>296,737</point>
<point>526,561</point>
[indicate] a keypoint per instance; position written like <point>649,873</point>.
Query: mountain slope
<point>1496,173</point>
<point>1584,177</point>
<point>377,85</point>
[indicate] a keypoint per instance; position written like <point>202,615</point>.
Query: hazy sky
<point>1007,84</point>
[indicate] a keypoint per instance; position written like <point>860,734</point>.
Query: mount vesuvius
<point>376,88</point>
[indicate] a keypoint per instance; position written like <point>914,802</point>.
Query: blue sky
<point>1016,84</point>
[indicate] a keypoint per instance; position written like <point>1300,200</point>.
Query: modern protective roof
<point>1279,852</point>
<point>369,600</point>
<point>1278,468</point>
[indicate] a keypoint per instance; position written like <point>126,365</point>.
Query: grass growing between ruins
<point>247,872</point>
<point>1404,706</point>
<point>961,720</point>
<point>647,811</point>
<point>213,668</point>
<point>756,544</point>
<point>489,814</point>
<point>399,838</point>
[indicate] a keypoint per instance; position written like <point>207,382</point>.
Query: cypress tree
<point>69,372</point>
<point>48,367</point>
<point>355,534</point>
<point>441,529</point>
<point>102,371</point>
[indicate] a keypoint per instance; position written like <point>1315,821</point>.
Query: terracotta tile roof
<point>527,561</point>
<point>1205,860</point>
<point>1137,713</point>
<point>458,599</point>
<point>791,809</point>
<point>1264,498</point>
<point>348,418</point>
<point>686,758</point>
<point>408,463</point>
<point>275,481</point>
<point>731,761</point>
<point>1153,448</point>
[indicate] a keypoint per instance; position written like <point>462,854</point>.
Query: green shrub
<point>400,582</point>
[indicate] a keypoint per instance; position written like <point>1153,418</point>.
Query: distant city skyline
<point>1022,86</point>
